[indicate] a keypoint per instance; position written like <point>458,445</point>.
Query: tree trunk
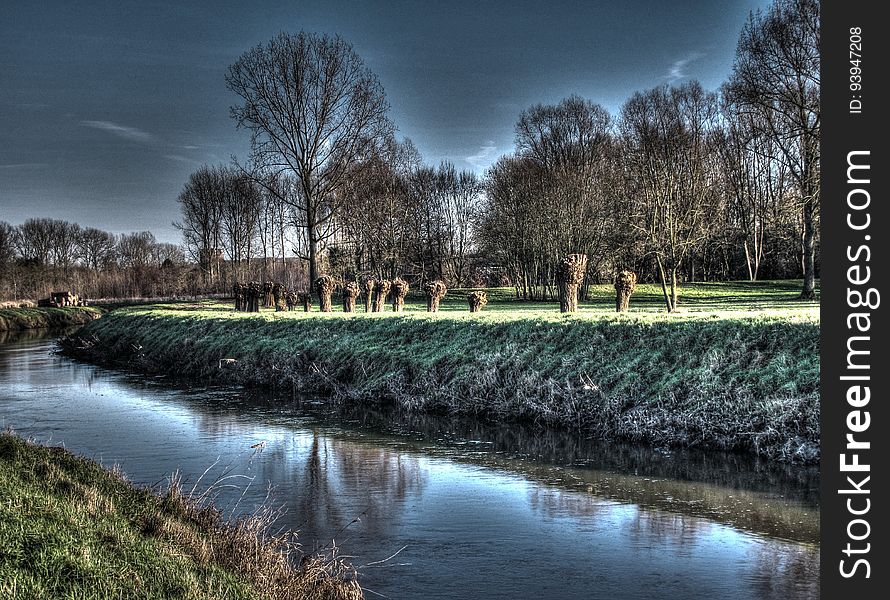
<point>312,238</point>
<point>399,291</point>
<point>350,293</point>
<point>306,299</point>
<point>570,273</point>
<point>625,284</point>
<point>370,284</point>
<point>324,287</point>
<point>809,251</point>
<point>435,291</point>
<point>674,290</point>
<point>663,280</point>
<point>477,300</point>
<point>382,290</point>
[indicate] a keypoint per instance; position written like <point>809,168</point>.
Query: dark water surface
<point>479,511</point>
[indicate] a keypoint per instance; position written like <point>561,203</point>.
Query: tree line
<point>44,255</point>
<point>681,184</point>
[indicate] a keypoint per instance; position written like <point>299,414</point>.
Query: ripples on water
<point>481,510</point>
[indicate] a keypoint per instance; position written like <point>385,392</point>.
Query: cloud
<point>128,133</point>
<point>32,165</point>
<point>180,158</point>
<point>677,70</point>
<point>483,158</point>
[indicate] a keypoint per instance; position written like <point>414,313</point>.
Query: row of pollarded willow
<point>571,272</point>
<point>375,292</point>
<point>249,297</point>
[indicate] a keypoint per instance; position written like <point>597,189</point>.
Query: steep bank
<point>732,383</point>
<point>35,318</point>
<point>71,529</point>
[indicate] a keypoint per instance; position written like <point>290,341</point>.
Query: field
<point>725,299</point>
<point>71,529</point>
<point>738,369</point>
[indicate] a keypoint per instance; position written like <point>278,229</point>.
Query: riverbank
<point>735,383</point>
<point>69,528</point>
<point>12,319</point>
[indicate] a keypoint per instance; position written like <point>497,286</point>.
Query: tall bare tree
<point>201,205</point>
<point>241,209</point>
<point>668,139</point>
<point>776,75</point>
<point>96,248</point>
<point>35,240</point>
<point>754,182</point>
<point>314,109</point>
<point>7,243</point>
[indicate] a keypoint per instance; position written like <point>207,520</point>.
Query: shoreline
<point>743,384</point>
<point>70,527</point>
<point>17,319</point>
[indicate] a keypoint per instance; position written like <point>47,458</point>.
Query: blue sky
<point>106,107</point>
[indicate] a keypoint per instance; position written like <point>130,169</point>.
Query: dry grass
<point>71,529</point>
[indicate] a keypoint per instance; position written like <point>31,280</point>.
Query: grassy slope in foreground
<point>33,318</point>
<point>737,382</point>
<point>70,529</point>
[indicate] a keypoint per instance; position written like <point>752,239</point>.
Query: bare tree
<point>754,182</point>
<point>572,142</point>
<point>201,204</point>
<point>314,109</point>
<point>136,250</point>
<point>376,224</point>
<point>776,76</point>
<point>7,243</point>
<point>460,196</point>
<point>511,227</point>
<point>668,136</point>
<point>65,236</point>
<point>96,248</point>
<point>241,208</point>
<point>35,240</point>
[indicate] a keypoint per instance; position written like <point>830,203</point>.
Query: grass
<point>737,370</point>
<point>35,318</point>
<point>71,529</point>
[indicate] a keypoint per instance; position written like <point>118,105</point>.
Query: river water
<point>469,510</point>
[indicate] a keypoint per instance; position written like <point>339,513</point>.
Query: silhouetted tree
<point>314,109</point>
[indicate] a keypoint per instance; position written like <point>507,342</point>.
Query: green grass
<point>34,318</point>
<point>71,529</point>
<point>739,369</point>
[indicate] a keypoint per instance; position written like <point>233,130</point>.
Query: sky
<point>107,107</point>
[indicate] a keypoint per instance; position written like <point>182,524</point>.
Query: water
<point>469,510</point>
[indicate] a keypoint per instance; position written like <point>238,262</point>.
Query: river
<point>470,510</point>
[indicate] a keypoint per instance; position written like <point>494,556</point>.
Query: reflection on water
<point>480,510</point>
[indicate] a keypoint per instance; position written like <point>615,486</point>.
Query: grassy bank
<point>71,529</point>
<point>34,318</point>
<point>734,380</point>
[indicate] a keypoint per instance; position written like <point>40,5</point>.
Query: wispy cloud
<point>677,70</point>
<point>180,158</point>
<point>32,165</point>
<point>483,158</point>
<point>128,133</point>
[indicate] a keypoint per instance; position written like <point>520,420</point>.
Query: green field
<point>738,369</point>
<point>725,300</point>
<point>71,529</point>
